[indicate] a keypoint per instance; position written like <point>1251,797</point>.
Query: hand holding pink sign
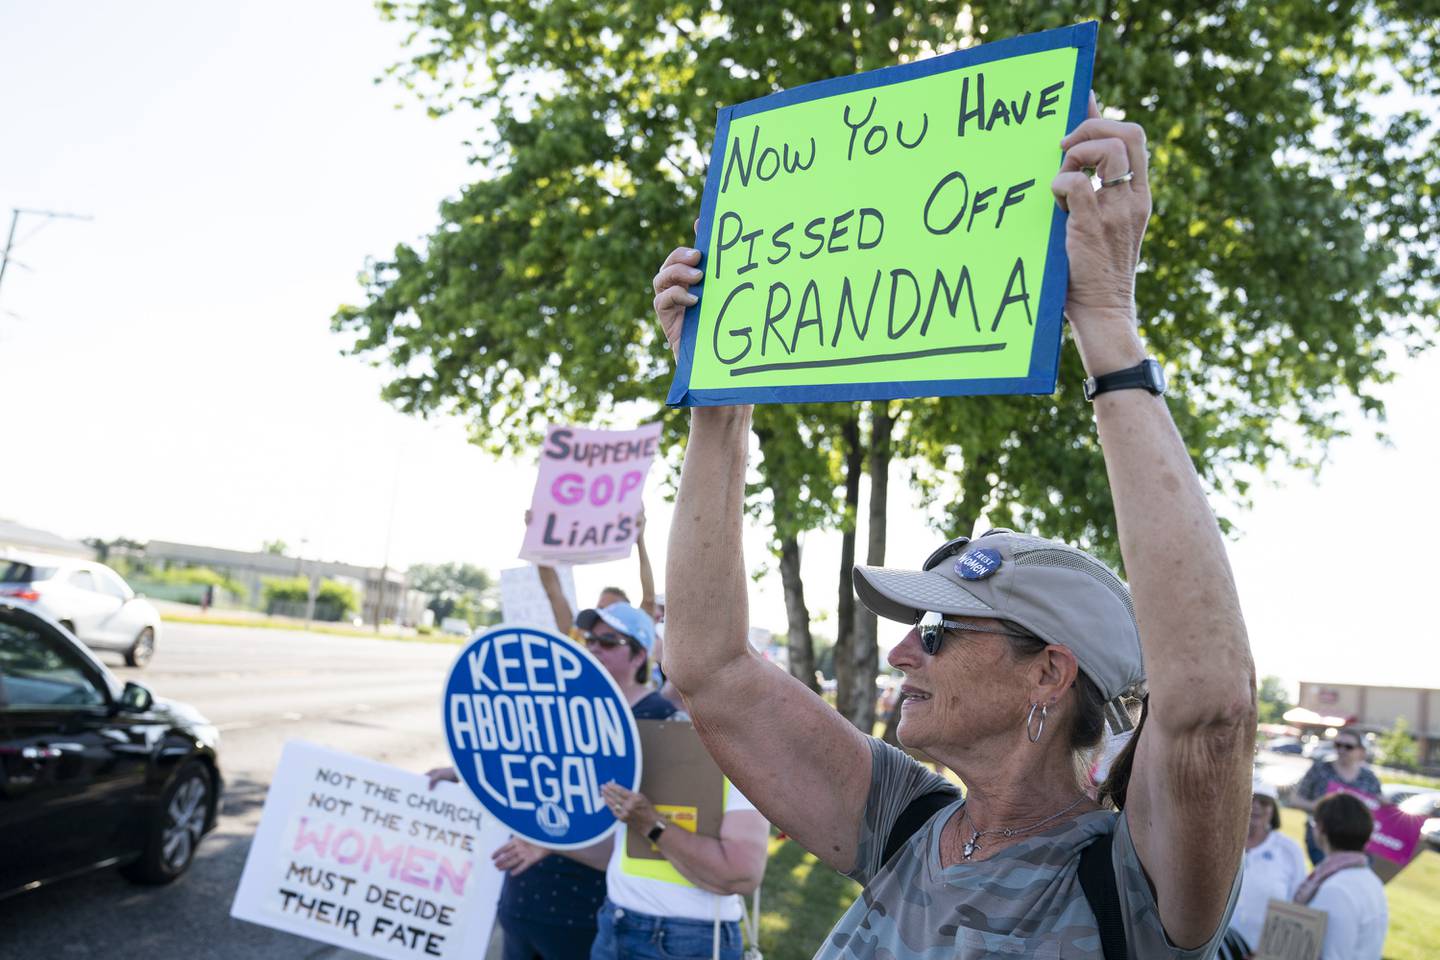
<point>589,494</point>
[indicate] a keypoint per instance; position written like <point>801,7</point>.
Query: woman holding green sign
<point>1018,652</point>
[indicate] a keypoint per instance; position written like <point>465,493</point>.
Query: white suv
<point>88,599</point>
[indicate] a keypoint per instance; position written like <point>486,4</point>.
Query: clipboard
<point>680,779</point>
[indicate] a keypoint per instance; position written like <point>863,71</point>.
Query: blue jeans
<point>537,941</point>
<point>628,935</point>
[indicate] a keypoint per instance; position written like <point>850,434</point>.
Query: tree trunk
<point>866,655</point>
<point>881,450</point>
<point>854,689</point>
<point>798,640</point>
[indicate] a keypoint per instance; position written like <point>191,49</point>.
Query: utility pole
<point>15,213</point>
<point>389,537</point>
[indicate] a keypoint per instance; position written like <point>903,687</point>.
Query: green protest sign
<point>889,234</point>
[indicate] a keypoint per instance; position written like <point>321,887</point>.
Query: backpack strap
<point>1097,879</point>
<point>913,817</point>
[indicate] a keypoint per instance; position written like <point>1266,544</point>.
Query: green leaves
<point>1293,244</point>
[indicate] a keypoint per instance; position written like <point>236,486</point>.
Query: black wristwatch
<point>1145,375</point>
<point>654,835</point>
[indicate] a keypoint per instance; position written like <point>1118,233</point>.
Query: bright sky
<point>169,371</point>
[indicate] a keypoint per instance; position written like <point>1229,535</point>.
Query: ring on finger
<point>1125,177</point>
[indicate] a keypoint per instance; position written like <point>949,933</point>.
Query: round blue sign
<point>536,726</point>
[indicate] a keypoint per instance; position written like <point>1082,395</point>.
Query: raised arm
<point>647,572</point>
<point>802,764</point>
<point>1189,791</point>
<point>550,580</point>
<point>564,616</point>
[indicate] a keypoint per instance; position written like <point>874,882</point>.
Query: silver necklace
<point>968,848</point>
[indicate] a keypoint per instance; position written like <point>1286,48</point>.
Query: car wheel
<point>175,829</point>
<point>142,649</point>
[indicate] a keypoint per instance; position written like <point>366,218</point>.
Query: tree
<point>456,590</point>
<point>289,596</point>
<point>1396,747</point>
<point>277,547</point>
<point>120,546</point>
<point>123,555</point>
<point>1273,700</point>
<point>796,494</point>
<point>1292,250</point>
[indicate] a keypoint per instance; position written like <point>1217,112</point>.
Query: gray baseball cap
<point>1062,595</point>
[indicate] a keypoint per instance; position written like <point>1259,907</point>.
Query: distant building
<point>384,592</point>
<point>15,538</point>
<point>1375,710</point>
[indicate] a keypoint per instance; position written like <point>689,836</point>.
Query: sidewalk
<point>174,612</point>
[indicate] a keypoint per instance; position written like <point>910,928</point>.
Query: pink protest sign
<point>1397,833</point>
<point>588,496</point>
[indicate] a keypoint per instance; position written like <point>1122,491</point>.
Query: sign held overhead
<point>889,234</point>
<point>589,494</point>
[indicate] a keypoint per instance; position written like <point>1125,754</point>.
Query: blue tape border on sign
<point>500,629</point>
<point>1045,357</point>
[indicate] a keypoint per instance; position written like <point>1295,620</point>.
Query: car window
<point>16,571</point>
<point>35,672</point>
<point>83,579</point>
<point>111,583</point>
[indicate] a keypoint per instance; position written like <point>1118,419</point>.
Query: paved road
<point>375,698</point>
<point>1281,769</point>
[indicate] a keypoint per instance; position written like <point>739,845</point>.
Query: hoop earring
<point>1032,732</point>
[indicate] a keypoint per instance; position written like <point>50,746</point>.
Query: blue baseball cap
<point>622,618</point>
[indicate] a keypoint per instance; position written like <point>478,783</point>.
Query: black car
<point>93,773</point>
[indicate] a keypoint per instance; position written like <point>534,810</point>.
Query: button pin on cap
<point>978,564</point>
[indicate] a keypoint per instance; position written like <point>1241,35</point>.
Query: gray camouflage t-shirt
<point>1026,901</point>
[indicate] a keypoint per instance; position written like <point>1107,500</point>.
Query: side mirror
<point>135,698</point>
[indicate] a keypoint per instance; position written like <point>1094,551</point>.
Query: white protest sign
<point>1291,932</point>
<point>365,856</point>
<point>588,494</point>
<point>523,601</point>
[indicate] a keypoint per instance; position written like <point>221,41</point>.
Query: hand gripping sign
<point>536,726</point>
<point>889,234</point>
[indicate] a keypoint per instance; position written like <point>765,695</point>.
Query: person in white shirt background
<point>1274,865</point>
<point>1343,885</point>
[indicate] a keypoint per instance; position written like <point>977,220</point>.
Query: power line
<point>15,214</point>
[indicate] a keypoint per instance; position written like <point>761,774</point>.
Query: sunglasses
<point>1347,746</point>
<point>932,627</point>
<point>607,640</point>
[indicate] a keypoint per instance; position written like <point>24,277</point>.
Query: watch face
<point>1157,375</point>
